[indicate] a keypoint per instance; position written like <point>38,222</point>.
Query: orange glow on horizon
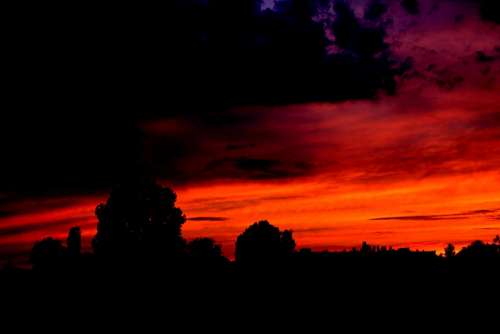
<point>323,214</point>
<point>388,173</point>
<point>330,216</point>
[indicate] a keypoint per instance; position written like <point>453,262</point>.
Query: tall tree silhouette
<point>139,219</point>
<point>263,243</point>
<point>74,242</point>
<point>287,243</point>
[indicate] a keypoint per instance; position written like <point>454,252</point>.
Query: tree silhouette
<point>287,242</point>
<point>263,243</point>
<point>205,253</point>
<point>449,251</point>
<point>139,218</point>
<point>479,249</point>
<point>204,248</point>
<point>74,242</point>
<point>47,254</point>
<point>365,248</point>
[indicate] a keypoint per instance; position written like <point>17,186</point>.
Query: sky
<point>345,121</point>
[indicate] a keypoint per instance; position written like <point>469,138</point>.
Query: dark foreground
<point>371,290</point>
<point>141,270</point>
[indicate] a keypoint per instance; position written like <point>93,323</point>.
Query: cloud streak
<point>208,219</point>
<point>451,216</point>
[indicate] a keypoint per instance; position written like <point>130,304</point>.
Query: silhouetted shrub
<point>204,248</point>
<point>263,243</point>
<point>48,254</point>
<point>205,253</point>
<point>479,249</point>
<point>449,251</point>
<point>139,218</point>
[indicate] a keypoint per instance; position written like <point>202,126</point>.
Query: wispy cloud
<point>451,216</point>
<point>208,219</point>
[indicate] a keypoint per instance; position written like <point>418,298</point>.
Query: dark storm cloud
<point>350,34</point>
<point>375,10</point>
<point>281,56</point>
<point>482,57</point>
<point>252,164</point>
<point>255,168</point>
<point>4,213</point>
<point>490,10</point>
<point>80,78</point>
<point>411,6</point>
<point>35,227</point>
<point>237,147</point>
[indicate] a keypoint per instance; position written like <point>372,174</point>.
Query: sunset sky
<point>345,121</point>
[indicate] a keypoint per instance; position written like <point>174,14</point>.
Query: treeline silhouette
<point>139,227</point>
<point>139,248</point>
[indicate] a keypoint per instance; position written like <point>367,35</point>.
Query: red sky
<point>389,172</point>
<point>418,169</point>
